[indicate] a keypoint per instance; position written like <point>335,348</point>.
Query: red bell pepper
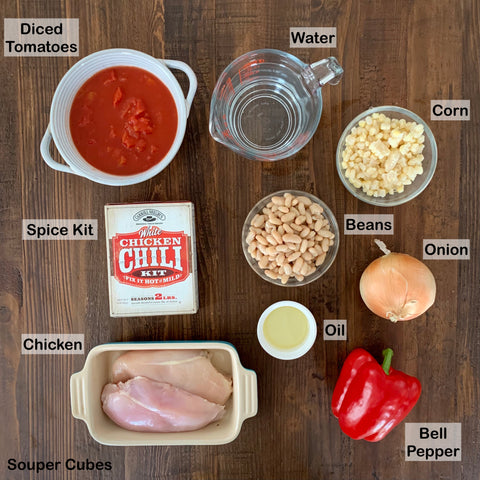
<point>370,399</point>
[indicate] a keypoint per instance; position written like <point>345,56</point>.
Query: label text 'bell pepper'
<point>433,442</point>
<point>370,399</point>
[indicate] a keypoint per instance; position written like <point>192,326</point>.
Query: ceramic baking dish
<point>86,388</point>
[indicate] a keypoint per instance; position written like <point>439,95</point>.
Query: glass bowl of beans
<point>386,156</point>
<point>290,238</point>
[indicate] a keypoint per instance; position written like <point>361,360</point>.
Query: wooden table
<point>393,53</point>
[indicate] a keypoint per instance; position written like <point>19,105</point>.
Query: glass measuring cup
<point>267,103</point>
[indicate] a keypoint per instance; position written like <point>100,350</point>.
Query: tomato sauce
<point>123,120</point>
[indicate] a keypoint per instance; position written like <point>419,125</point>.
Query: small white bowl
<point>293,353</point>
<point>59,127</point>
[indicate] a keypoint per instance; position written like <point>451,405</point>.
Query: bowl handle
<point>191,77</point>
<point>77,395</point>
<point>249,399</point>
<point>45,151</point>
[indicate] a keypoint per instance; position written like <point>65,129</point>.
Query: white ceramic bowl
<point>86,388</point>
<point>59,127</point>
<point>294,352</point>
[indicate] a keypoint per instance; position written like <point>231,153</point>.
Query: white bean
<point>291,238</point>
<point>287,217</point>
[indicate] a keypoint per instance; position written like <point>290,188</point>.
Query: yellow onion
<point>397,286</point>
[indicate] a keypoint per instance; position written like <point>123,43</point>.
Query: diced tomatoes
<point>117,96</point>
<point>123,120</point>
<point>112,77</point>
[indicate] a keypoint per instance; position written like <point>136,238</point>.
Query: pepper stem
<point>387,360</point>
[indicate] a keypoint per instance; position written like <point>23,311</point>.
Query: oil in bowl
<point>286,330</point>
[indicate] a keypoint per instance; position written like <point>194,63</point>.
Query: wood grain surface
<point>403,53</point>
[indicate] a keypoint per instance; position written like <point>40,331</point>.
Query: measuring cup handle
<point>326,71</point>
<point>45,151</point>
<point>191,77</point>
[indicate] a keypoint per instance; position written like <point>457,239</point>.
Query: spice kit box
<point>151,259</point>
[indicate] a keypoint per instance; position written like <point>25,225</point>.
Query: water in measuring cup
<point>267,116</point>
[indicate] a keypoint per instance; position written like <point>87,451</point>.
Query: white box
<point>152,265</point>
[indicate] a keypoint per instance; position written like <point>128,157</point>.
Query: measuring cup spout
<point>216,134</point>
<point>325,71</point>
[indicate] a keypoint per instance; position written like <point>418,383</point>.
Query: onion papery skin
<point>398,287</point>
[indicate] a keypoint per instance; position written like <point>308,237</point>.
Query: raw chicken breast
<point>190,370</point>
<point>144,405</point>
